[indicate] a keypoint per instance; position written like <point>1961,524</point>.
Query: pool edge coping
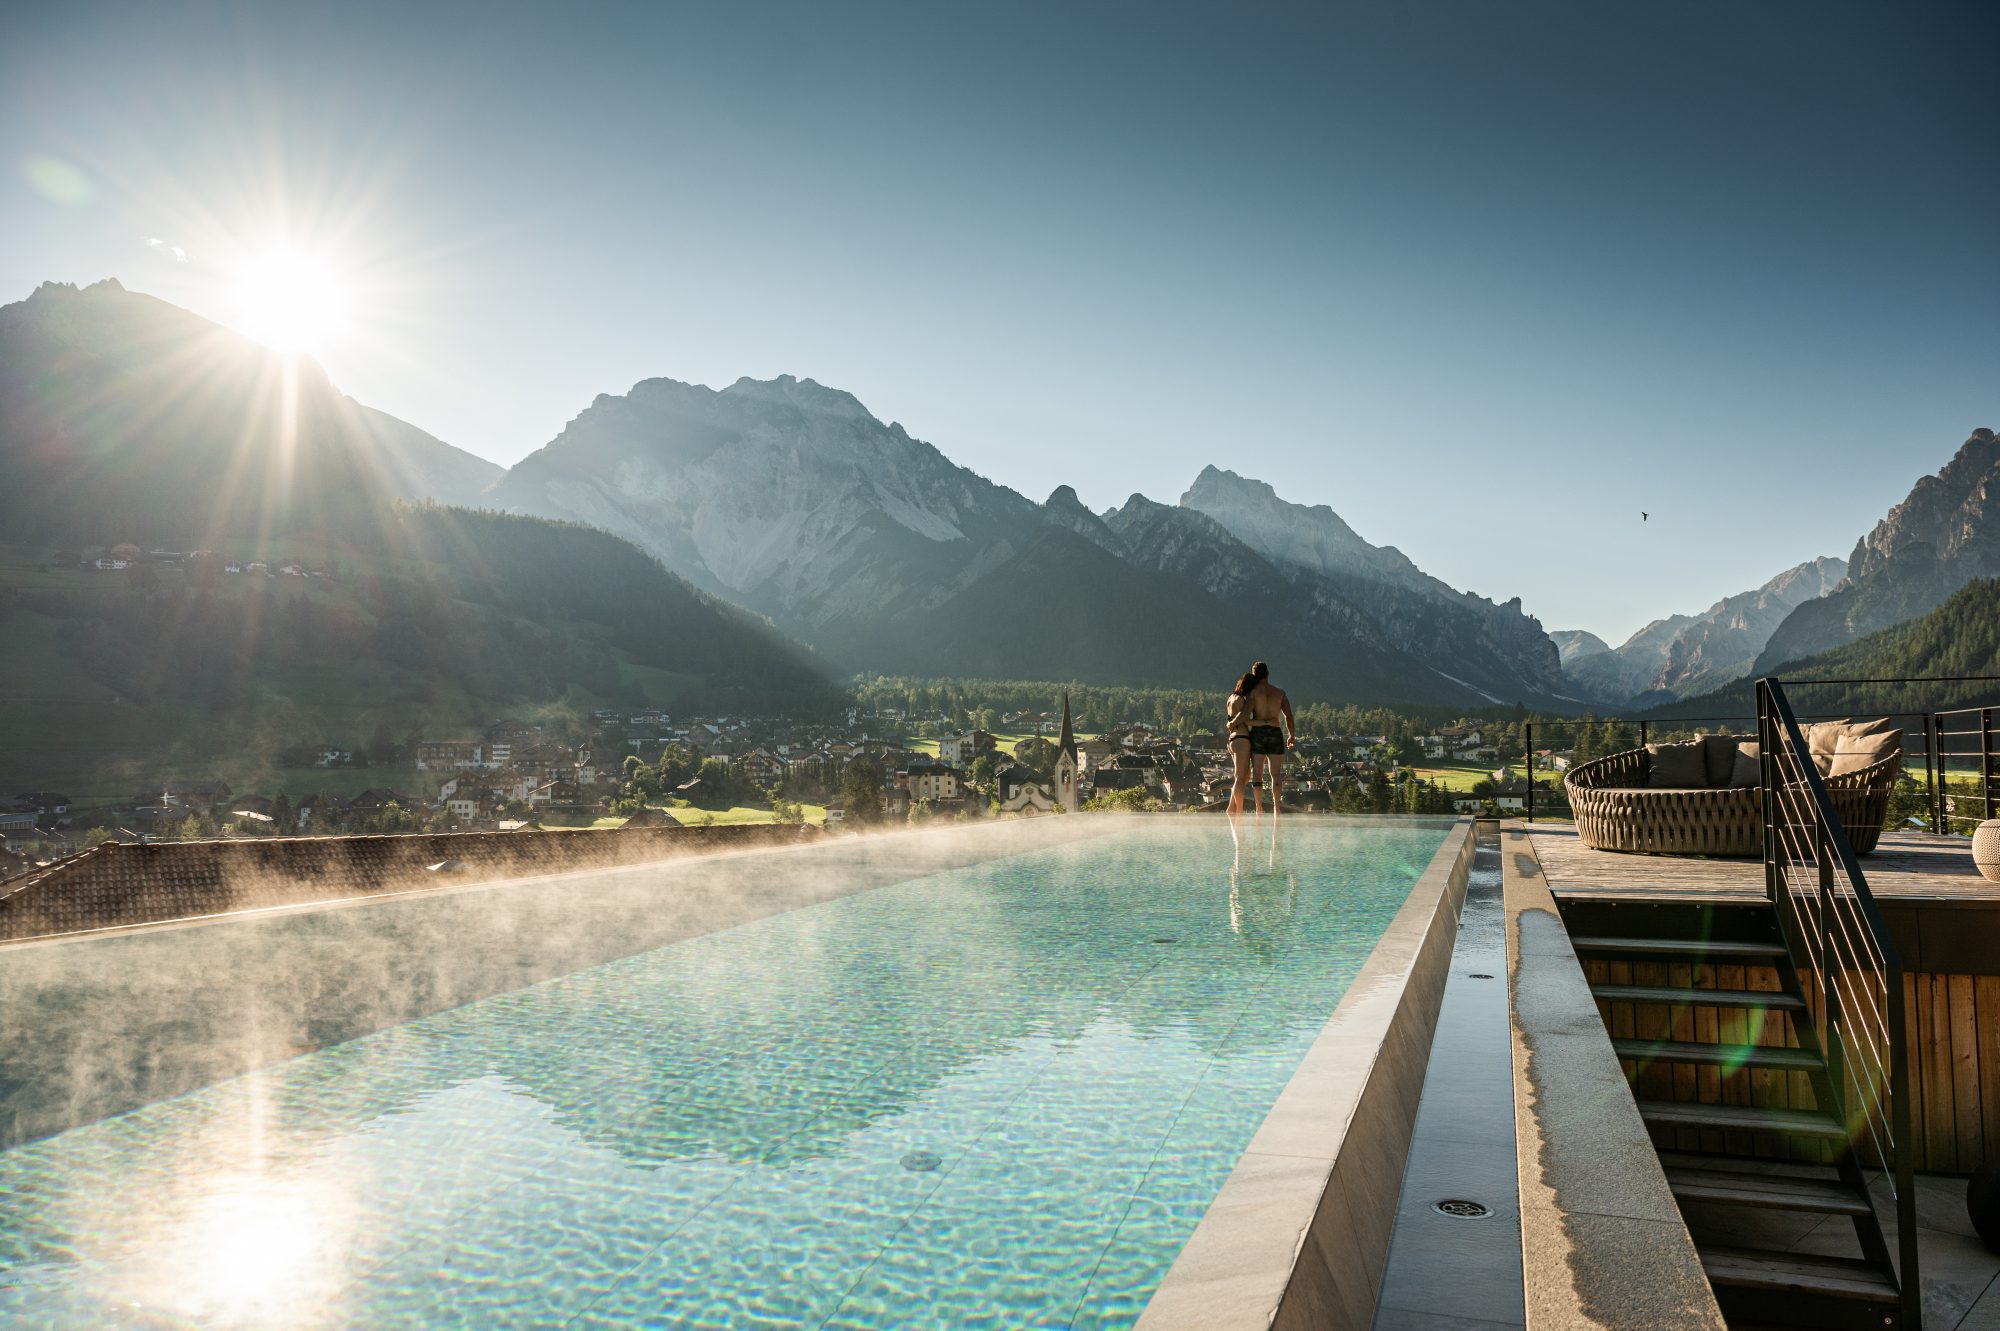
<point>1593,1195</point>
<point>1298,1236</point>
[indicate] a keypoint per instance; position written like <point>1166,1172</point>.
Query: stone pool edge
<point>1299,1234</point>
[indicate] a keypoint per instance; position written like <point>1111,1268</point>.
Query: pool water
<point>997,1096</point>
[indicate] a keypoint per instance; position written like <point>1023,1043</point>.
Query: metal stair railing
<point>1848,967</point>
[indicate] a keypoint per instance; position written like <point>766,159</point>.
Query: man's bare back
<point>1269,705</point>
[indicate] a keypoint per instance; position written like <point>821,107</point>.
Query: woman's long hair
<point>1247,683</point>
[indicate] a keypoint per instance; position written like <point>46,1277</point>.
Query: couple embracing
<point>1257,744</point>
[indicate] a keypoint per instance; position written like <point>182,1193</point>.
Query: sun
<point>291,302</point>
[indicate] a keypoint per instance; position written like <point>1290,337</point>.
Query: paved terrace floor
<point>1906,864</point>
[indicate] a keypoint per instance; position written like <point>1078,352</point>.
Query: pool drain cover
<point>1464,1210</point>
<point>1477,975</point>
<point>922,1161</point>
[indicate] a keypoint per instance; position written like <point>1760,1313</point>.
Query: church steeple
<point>1066,762</point>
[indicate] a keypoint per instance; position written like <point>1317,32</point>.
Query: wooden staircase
<point>1719,1044</point>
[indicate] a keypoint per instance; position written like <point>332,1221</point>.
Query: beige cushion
<point>1676,766</point>
<point>1749,768</point>
<point>1839,747</point>
<point>1843,763</point>
<point>1718,757</point>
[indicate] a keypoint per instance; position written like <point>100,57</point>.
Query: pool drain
<point>1462,1209</point>
<point>922,1161</point>
<point>1477,975</point>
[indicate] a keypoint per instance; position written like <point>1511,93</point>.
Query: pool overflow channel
<point>1456,1248</point>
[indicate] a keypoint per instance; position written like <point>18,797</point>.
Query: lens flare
<point>56,180</point>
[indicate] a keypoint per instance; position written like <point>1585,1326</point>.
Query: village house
<point>936,782</point>
<point>446,755</point>
<point>45,802</point>
<point>559,797</point>
<point>959,750</point>
<point>1091,752</point>
<point>18,829</point>
<point>761,766</point>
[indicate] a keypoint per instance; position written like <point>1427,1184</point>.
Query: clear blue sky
<point>1487,278</point>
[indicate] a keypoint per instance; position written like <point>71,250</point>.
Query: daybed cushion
<point>1749,768</point>
<point>1840,747</point>
<point>1676,766</point>
<point>1718,757</point>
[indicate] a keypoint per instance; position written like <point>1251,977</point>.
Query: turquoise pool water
<point>996,1096</point>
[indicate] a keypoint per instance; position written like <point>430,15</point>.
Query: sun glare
<point>291,302</point>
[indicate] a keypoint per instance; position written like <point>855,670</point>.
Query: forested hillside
<point>452,619</point>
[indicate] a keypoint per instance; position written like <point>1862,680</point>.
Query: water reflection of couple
<point>1257,744</point>
<point>1263,892</point>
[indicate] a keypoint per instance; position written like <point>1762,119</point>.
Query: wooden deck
<point>1907,865</point>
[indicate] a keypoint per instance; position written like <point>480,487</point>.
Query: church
<point>1066,766</point>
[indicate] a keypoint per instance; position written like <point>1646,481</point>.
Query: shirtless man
<point>1268,743</point>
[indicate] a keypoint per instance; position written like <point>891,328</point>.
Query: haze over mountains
<point>125,421</point>
<point>122,412</point>
<point>124,418</point>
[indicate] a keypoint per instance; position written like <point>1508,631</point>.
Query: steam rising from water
<point>1004,1011</point>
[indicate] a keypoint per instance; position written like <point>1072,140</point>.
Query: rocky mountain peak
<point>805,394</point>
<point>1219,480</point>
<point>1943,535</point>
<point>1944,512</point>
<point>1303,536</point>
<point>1065,510</point>
<point>1576,643</point>
<point>58,291</point>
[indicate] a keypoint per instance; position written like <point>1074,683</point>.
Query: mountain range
<point>1687,654</point>
<point>868,549</point>
<point>792,499</point>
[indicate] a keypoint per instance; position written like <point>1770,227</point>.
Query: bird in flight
<point>1643,515</point>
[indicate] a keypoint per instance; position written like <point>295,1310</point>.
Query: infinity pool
<point>996,1095</point>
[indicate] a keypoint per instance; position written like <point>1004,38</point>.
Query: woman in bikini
<point>1238,711</point>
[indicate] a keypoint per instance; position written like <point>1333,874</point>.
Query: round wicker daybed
<point>1616,810</point>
